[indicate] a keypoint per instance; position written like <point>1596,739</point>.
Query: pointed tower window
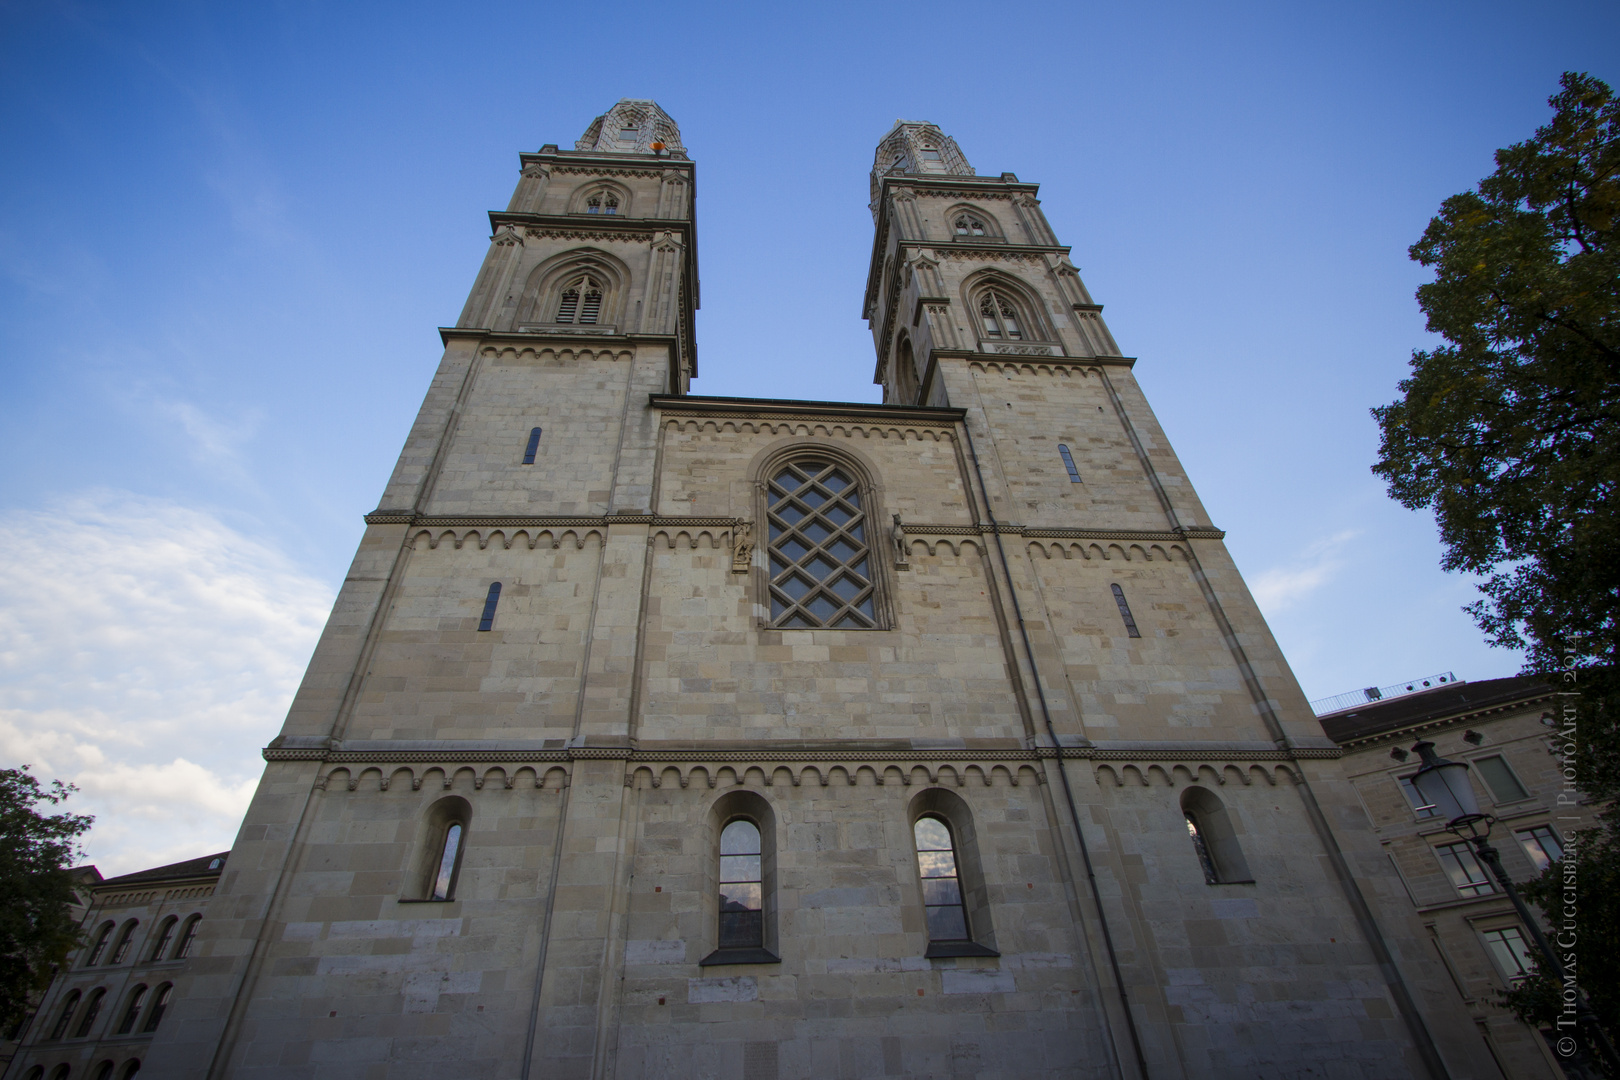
<point>533,448</point>
<point>821,573</point>
<point>967,226</point>
<point>593,205</point>
<point>1125,611</point>
<point>569,307</point>
<point>610,204</point>
<point>1068,463</point>
<point>628,136</point>
<point>487,620</point>
<point>581,301</point>
<point>930,159</point>
<point>1000,316</point>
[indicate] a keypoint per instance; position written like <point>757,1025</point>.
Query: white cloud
<point>1280,587</point>
<point>147,652</point>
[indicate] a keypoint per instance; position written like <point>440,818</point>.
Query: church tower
<point>662,735</point>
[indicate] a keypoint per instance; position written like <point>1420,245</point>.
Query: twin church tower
<point>661,735</point>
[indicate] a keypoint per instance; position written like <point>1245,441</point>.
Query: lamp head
<point>1444,785</point>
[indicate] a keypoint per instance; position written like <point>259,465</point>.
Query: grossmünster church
<point>656,735</point>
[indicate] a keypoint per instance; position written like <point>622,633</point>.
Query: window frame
<point>64,1017</point>
<point>951,809</point>
<point>1523,957</point>
<point>1512,774</point>
<point>134,1003</point>
<point>188,937</point>
<point>766,469</point>
<point>92,1008</point>
<point>741,804</point>
<point>125,941</point>
<point>432,832</point>
<point>1527,835</point>
<point>1214,838</point>
<point>162,938</point>
<point>1454,852</point>
<point>93,957</point>
<point>160,1004</point>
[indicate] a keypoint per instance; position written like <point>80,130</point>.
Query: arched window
<point>581,301</point>
<point>821,575</point>
<point>1125,611</point>
<point>742,923</point>
<point>165,935</point>
<point>62,1018</point>
<point>1213,838</point>
<point>442,850</point>
<point>486,621</point>
<point>35,1073</point>
<point>100,946</point>
<point>444,878</point>
<point>967,225</point>
<point>91,1008</point>
<point>126,937</point>
<point>1068,463</point>
<point>105,1071</point>
<point>956,903</point>
<point>999,315</point>
<point>533,447</point>
<point>61,1072</point>
<point>942,890</point>
<point>154,1016</point>
<point>187,936</point>
<point>131,1069</point>
<point>132,1011</point>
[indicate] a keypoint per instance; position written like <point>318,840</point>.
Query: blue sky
<point>228,233</point>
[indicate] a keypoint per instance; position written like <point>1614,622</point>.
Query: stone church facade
<point>661,735</point>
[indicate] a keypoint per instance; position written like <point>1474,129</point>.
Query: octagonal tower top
<point>631,127</point>
<point>919,149</point>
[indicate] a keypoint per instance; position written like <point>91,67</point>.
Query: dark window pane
<point>796,587</point>
<point>817,532</point>
<point>739,868</point>
<point>790,514</point>
<point>847,588</point>
<point>813,498</point>
<point>865,608</point>
<point>821,568</point>
<point>741,930</point>
<point>795,550</point>
<point>799,622</point>
<point>844,551</point>
<point>777,608</point>
<point>740,896</point>
<point>941,890</point>
<point>838,515</point>
<point>937,863</point>
<point>946,924</point>
<point>822,607</point>
<point>1503,784</point>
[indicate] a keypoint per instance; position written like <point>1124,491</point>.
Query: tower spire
<point>632,127</point>
<point>916,148</point>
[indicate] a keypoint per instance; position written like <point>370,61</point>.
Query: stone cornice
<point>607,225</point>
<point>515,521</point>
<point>1409,731</point>
<point>530,338</point>
<point>1197,532</point>
<point>769,409</point>
<point>851,751</point>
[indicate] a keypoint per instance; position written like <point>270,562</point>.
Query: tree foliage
<point>37,929</point>
<point>1509,433</point>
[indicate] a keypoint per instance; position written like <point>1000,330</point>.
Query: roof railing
<point>1339,702</point>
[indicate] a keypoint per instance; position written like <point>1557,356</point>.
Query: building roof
<point>190,868</point>
<point>1441,703</point>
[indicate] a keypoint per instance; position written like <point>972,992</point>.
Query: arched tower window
<point>581,301</point>
<point>967,225</point>
<point>492,599</point>
<point>1068,463</point>
<point>821,570</point>
<point>105,1072</point>
<point>999,316</point>
<point>942,888</point>
<point>602,203</point>
<point>91,1009</point>
<point>1214,840</point>
<point>443,849</point>
<point>742,917</point>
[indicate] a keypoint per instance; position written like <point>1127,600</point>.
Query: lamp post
<point>1445,787</point>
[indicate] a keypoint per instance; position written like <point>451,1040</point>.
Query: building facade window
<point>1504,785</point>
<point>442,851</point>
<point>60,1029</point>
<point>105,1071</point>
<point>126,937</point>
<point>1464,870</point>
<point>164,935</point>
<point>1068,463</point>
<point>1420,808</point>
<point>967,225</point>
<point>580,301</point>
<point>100,947</point>
<point>1214,838</point>
<point>187,937</point>
<point>605,203</point>
<point>1125,611</point>
<point>533,448</point>
<point>742,909</point>
<point>492,599</point>
<point>91,1009</point>
<point>821,573</point>
<point>1510,952</point>
<point>999,316</point>
<point>941,885</point>
<point>131,1069</point>
<point>444,878</point>
<point>1541,844</point>
<point>132,1011</point>
<point>160,1002</point>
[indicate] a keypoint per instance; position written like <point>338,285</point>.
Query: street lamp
<point>1445,787</point>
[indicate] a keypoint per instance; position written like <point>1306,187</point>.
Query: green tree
<point>1508,432</point>
<point>37,929</point>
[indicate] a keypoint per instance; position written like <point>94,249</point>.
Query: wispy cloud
<point>1280,587</point>
<point>147,651</point>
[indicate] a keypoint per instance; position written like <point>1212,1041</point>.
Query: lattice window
<point>999,315</point>
<point>581,301</point>
<point>821,570</point>
<point>969,226</point>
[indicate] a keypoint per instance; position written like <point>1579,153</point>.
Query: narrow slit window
<point>91,1008</point>
<point>1202,848</point>
<point>132,1011</point>
<point>187,938</point>
<point>742,921</point>
<point>533,447</point>
<point>1068,463</point>
<point>487,620</point>
<point>444,882</point>
<point>1125,612</point>
<point>941,883</point>
<point>154,1016</point>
